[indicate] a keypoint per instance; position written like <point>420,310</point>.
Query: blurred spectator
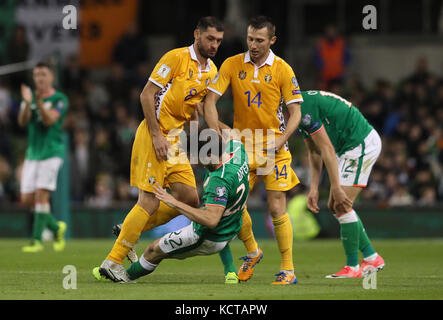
<point>130,51</point>
<point>73,75</point>
<point>103,195</point>
<point>421,73</point>
<point>5,173</point>
<point>332,56</point>
<point>232,44</point>
<point>17,50</point>
<point>80,164</point>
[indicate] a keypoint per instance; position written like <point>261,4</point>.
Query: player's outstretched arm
<point>209,216</point>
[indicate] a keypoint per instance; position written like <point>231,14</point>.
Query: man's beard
<point>202,51</point>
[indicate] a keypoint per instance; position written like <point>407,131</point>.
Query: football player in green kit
<point>215,224</point>
<point>338,134</point>
<point>42,112</point>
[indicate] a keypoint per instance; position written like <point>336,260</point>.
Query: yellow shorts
<point>146,169</point>
<point>277,176</point>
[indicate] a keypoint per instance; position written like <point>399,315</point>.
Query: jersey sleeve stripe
<point>215,91</point>
<point>294,101</point>
<point>322,126</point>
<point>156,83</point>
<point>215,205</point>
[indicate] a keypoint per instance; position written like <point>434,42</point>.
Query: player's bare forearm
<point>293,121</point>
<point>315,164</point>
<point>322,141</point>
<point>210,111</point>
<point>210,216</point>
<point>147,101</point>
<point>24,115</point>
<point>207,217</point>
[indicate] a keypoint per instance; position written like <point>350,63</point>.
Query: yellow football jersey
<point>182,83</point>
<point>258,91</point>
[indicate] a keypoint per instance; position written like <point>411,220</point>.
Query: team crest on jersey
<point>307,119</point>
<point>191,73</point>
<point>268,78</point>
<point>220,191</point>
<point>242,75</point>
<point>152,180</point>
<point>294,82</point>
<point>208,81</point>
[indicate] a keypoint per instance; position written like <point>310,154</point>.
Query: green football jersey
<point>344,123</point>
<point>227,187</point>
<point>46,142</point>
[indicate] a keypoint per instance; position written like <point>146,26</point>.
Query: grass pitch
<point>413,271</point>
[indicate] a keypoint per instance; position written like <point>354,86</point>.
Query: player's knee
<point>148,202</point>
<point>42,196</point>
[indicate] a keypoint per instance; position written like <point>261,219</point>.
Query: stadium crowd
<point>105,111</point>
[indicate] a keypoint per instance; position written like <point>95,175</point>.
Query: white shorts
<point>185,243</point>
<point>355,165</point>
<point>40,174</point>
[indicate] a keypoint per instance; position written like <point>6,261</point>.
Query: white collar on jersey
<point>194,57</point>
<point>268,61</point>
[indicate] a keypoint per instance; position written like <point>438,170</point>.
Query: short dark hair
<point>210,21</point>
<point>261,22</point>
<point>43,64</point>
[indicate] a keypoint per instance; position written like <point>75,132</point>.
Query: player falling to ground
<point>260,81</point>
<point>225,191</point>
<point>42,111</point>
<point>335,129</point>
<point>177,83</point>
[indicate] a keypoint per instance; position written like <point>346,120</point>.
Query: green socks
<point>364,243</point>
<point>40,222</point>
<point>354,238</point>
<point>227,260</point>
<point>349,233</point>
<point>140,268</point>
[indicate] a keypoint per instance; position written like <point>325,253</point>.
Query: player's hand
<point>313,201</point>
<point>26,93</point>
<point>341,202</point>
<point>275,145</point>
<point>162,195</point>
<point>161,147</point>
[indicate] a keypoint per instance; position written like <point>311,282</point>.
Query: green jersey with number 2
<point>227,187</point>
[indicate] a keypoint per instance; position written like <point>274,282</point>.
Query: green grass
<point>414,271</point>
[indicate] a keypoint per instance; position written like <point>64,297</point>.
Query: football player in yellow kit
<point>178,81</point>
<point>260,82</point>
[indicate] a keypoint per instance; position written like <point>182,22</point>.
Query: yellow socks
<point>284,236</point>
<point>132,227</point>
<point>162,215</point>
<point>246,235</point>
